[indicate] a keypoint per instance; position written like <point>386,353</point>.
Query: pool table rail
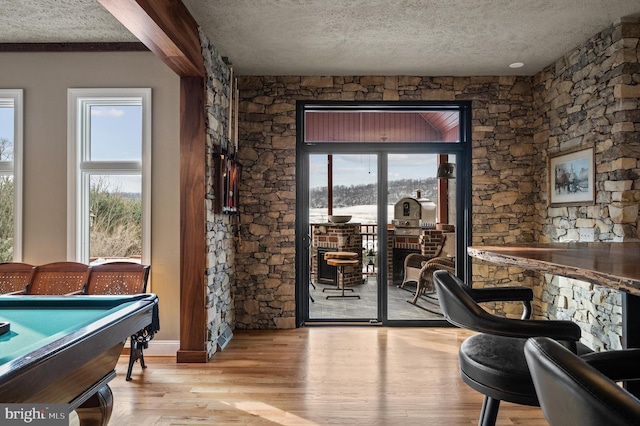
<point>71,367</point>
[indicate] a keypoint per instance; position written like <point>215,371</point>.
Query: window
<point>109,157</point>
<point>10,175</point>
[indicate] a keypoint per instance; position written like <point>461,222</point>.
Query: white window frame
<point>79,102</point>
<point>15,167</point>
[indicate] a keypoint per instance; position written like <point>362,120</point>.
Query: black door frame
<point>461,150</point>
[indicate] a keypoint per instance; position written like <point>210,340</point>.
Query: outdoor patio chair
<point>419,269</point>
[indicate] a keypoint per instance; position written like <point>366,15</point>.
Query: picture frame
<point>226,181</point>
<point>572,177</point>
<point>230,187</point>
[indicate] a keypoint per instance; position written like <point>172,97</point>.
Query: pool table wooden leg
<point>96,411</point>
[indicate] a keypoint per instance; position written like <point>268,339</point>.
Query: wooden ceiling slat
<point>74,47</point>
<point>370,127</point>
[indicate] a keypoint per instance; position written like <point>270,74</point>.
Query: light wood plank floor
<point>312,376</point>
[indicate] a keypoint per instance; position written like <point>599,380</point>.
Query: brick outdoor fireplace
<point>400,246</point>
<point>335,237</point>
<point>347,237</point>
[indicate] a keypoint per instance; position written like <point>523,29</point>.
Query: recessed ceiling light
<point>516,65</point>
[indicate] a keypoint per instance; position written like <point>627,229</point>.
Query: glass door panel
<point>343,192</point>
<point>420,208</point>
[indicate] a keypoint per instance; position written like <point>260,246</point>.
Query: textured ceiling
<point>59,21</point>
<point>410,37</point>
<point>350,37</point>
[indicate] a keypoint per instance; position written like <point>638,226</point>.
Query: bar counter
<point>613,265</point>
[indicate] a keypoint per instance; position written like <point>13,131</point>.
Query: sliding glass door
<point>369,193</point>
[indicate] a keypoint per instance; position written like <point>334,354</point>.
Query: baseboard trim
<point>192,357</point>
<point>159,347</point>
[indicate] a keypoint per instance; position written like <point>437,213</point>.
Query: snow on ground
<point>366,214</point>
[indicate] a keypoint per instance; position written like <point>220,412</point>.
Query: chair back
<point>571,392</point>
<point>118,278</point>
<point>14,276</point>
<point>457,304</point>
<point>59,278</point>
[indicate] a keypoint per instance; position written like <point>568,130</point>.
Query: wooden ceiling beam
<point>74,47</point>
<point>167,28</point>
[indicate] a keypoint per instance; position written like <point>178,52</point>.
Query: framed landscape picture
<point>572,178</point>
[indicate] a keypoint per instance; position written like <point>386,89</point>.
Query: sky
<point>359,169</point>
<point>6,124</point>
<point>116,135</point>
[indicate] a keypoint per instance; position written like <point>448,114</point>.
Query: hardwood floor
<point>312,376</point>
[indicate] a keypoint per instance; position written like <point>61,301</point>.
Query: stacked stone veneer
<point>590,96</point>
<point>503,164</point>
<point>339,237</point>
<point>220,244</point>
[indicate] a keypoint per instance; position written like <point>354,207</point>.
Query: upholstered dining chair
<point>14,277</point>
<point>492,362</point>
<point>582,391</point>
<point>58,278</point>
<point>114,278</point>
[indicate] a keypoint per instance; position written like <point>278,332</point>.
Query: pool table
<point>63,350</point>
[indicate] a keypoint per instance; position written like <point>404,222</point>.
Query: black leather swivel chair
<point>492,362</point>
<point>581,391</point>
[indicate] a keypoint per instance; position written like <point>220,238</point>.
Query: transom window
<point>109,175</point>
<point>327,125</point>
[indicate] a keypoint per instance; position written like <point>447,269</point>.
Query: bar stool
<point>340,259</point>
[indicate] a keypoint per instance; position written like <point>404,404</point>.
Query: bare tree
<point>6,218</point>
<point>117,222</point>
<point>6,149</point>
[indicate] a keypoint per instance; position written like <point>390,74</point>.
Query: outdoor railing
<point>369,248</point>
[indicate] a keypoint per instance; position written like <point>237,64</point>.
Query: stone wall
<point>504,154</point>
<point>219,273</point>
<point>590,97</point>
